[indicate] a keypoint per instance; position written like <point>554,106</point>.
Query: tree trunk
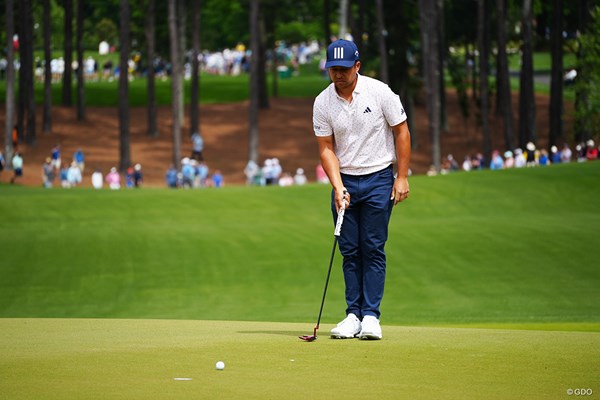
<point>26,71</point>
<point>150,30</point>
<point>47,108</point>
<point>527,97</point>
<point>327,21</point>
<point>67,98</point>
<point>80,68</point>
<point>274,73</point>
<point>270,41</point>
<point>124,135</point>
<point>22,79</point>
<point>556,84</point>
<point>263,100</point>
<point>582,98</point>
<point>474,70</point>
<point>483,47</point>
<point>441,62</point>
<point>397,20</point>
<point>382,35</point>
<point>352,28</point>
<point>429,40</point>
<point>360,26</point>
<point>504,104</point>
<point>253,136</point>
<point>176,84</point>
<point>195,95</point>
<point>181,25</point>
<point>343,19</point>
<point>357,23</point>
<point>10,83</point>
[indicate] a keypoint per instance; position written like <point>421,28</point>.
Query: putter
<point>336,234</point>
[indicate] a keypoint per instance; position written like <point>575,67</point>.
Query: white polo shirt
<point>363,138</point>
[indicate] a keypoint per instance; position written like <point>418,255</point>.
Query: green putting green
<point>145,359</point>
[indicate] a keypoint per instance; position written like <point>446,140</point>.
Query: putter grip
<point>340,220</point>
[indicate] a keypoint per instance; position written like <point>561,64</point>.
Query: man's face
<point>342,77</point>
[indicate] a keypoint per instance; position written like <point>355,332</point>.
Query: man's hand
<point>400,190</point>
<point>342,198</point>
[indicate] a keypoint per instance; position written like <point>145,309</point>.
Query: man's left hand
<point>400,190</point>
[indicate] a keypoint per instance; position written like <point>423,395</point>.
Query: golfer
<point>362,133</point>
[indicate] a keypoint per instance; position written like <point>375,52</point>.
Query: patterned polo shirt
<point>363,138</point>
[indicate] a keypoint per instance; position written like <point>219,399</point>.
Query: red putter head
<point>310,338</point>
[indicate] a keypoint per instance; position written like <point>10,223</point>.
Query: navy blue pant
<point>362,239</point>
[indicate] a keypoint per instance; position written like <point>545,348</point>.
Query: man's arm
<point>331,165</point>
<point>402,137</point>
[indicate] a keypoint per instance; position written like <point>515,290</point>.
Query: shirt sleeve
<point>392,107</point>
<point>321,125</point>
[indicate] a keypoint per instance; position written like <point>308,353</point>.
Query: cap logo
<point>338,52</point>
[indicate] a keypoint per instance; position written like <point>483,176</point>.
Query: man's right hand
<point>342,198</point>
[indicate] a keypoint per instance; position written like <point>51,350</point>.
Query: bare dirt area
<point>285,133</point>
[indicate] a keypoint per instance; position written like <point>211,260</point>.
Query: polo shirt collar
<point>357,89</point>
<point>359,83</point>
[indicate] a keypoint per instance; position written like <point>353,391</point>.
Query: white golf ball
<point>220,365</point>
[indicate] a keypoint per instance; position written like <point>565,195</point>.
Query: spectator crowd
<point>531,156</point>
<point>271,173</point>
<point>71,174</point>
<point>229,61</point>
<point>194,171</point>
<point>193,174</point>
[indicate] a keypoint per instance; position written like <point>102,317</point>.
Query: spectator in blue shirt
<point>79,159</point>
<point>188,171</point>
<point>171,177</point>
<point>497,161</point>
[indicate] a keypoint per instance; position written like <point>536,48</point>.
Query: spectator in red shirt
<point>592,151</point>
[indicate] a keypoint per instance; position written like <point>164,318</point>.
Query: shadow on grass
<point>283,333</point>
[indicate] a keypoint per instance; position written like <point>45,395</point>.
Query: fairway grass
<point>505,247</point>
<point>140,359</point>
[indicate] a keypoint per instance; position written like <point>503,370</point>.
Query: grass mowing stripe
<point>483,247</point>
<point>139,359</point>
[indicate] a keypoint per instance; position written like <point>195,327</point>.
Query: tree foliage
<point>106,30</point>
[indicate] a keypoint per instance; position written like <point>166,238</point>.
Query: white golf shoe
<point>346,329</point>
<point>370,328</point>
